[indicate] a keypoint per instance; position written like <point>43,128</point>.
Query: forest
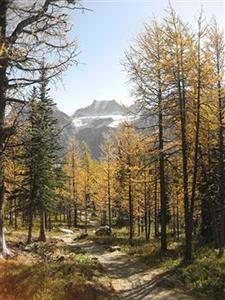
<point>155,200</point>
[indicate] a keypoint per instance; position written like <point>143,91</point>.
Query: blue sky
<point>104,35</point>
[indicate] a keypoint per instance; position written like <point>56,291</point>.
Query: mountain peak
<point>100,108</point>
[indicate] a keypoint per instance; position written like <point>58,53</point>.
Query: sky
<point>104,34</point>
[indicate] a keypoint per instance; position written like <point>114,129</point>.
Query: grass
<point>50,272</point>
<point>48,281</point>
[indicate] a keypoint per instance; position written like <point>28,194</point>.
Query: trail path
<point>131,279</point>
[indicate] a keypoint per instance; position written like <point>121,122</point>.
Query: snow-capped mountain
<point>102,113</point>
<point>95,122</point>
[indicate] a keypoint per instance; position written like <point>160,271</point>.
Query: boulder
<point>103,231</point>
<point>114,248</point>
<point>66,231</point>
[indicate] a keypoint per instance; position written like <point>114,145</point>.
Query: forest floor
<point>65,268</point>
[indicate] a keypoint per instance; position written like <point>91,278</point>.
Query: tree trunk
<point>221,171</point>
<point>68,213</point>
<point>156,210</point>
<point>197,131</point>
<point>15,215</point>
<point>109,204</point>
<point>74,189</point>
<point>146,213</point>
<point>30,227</point>
<point>3,87</point>
<point>184,149</point>
<point>103,222</point>
<point>163,200</point>
<point>130,211</point>
<point>75,214</point>
<point>42,236</point>
<point>10,212</point>
<point>46,221</point>
<point>86,216</point>
<point>49,222</point>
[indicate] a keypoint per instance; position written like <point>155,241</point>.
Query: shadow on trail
<point>132,279</point>
<point>149,289</point>
<point>117,264</point>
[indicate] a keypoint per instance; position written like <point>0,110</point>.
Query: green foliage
<point>206,275</point>
<point>40,173</point>
<point>85,261</point>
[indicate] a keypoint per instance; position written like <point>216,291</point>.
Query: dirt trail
<point>131,279</point>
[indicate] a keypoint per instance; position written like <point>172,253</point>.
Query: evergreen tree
<point>38,187</point>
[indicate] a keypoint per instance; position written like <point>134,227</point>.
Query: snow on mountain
<point>102,113</point>
<point>111,120</point>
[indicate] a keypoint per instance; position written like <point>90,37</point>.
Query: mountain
<point>100,108</point>
<point>95,122</point>
<point>101,113</point>
<point>94,138</point>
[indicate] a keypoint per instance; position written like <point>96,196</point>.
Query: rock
<point>103,231</point>
<point>114,248</point>
<point>66,231</point>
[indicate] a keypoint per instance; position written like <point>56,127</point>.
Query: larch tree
<point>145,67</point>
<point>72,168</point>
<point>179,44</point>
<point>128,151</point>
<point>188,72</point>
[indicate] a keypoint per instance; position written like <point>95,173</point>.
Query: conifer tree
<point>40,140</point>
